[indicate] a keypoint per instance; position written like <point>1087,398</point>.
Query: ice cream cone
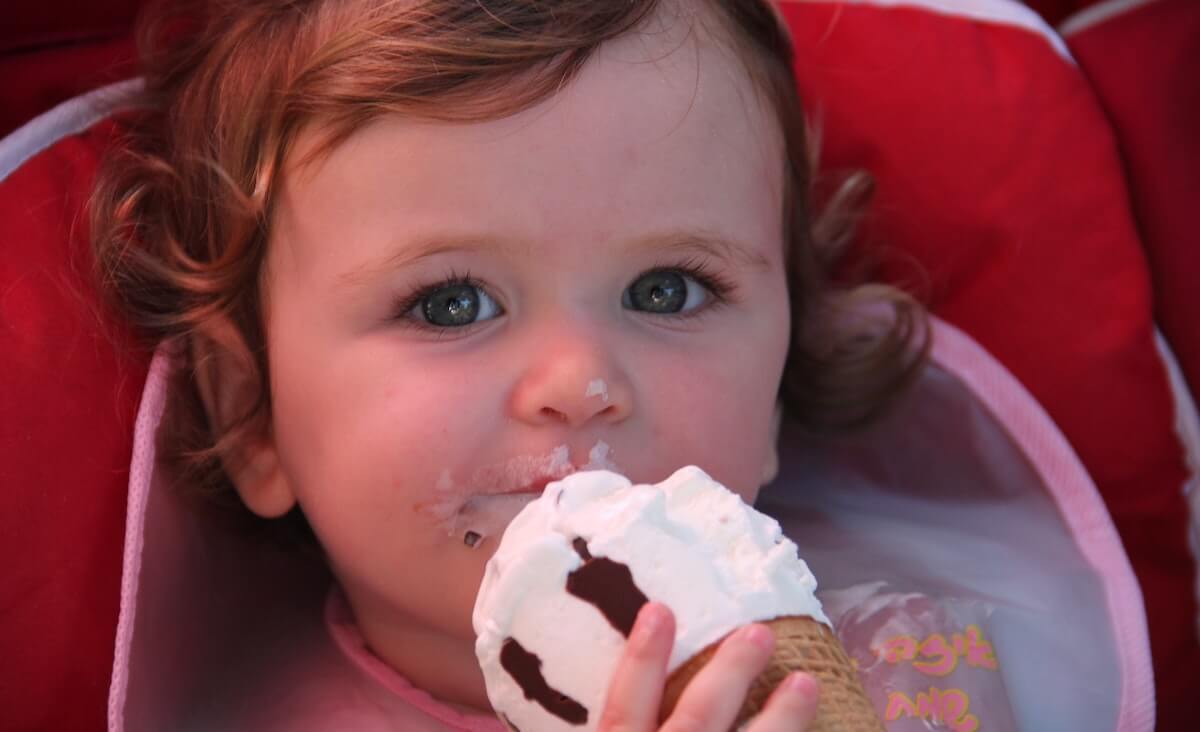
<point>801,644</point>
<point>568,574</point>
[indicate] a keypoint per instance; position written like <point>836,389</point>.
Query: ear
<point>228,390</point>
<point>771,464</point>
<point>260,480</point>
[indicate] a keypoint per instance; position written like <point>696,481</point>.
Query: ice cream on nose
<point>561,593</point>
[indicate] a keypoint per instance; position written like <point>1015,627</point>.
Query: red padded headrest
<point>999,177</point>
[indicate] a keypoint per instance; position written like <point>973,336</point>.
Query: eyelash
<point>452,279</point>
<point>719,287</point>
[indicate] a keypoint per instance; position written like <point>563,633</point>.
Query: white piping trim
<point>1187,426</point>
<point>74,115</point>
<point>999,12</point>
<point>1096,14</point>
<point>1187,419</point>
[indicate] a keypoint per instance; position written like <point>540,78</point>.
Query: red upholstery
<point>40,24</point>
<point>1155,107</point>
<point>37,80</point>
<point>68,396</point>
<point>1003,181</point>
<point>52,51</point>
<point>1000,180</point>
<point>1055,11</point>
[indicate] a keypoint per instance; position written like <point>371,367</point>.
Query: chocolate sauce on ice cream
<point>609,586</point>
<point>526,670</point>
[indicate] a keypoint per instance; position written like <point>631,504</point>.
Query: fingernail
<point>650,620</point>
<point>759,635</point>
<point>800,684</point>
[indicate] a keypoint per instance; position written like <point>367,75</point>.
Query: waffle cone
<point>801,644</point>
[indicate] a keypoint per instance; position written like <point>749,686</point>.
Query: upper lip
<point>523,473</point>
<point>536,485</point>
<point>539,485</point>
<point>531,473</point>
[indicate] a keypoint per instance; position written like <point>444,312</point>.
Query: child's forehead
<point>658,132</point>
<point>672,78</point>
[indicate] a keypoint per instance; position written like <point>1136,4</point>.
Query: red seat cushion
<point>1055,11</point>
<point>36,80</point>
<point>69,394</point>
<point>998,176</point>
<point>1002,196</point>
<point>53,50</point>
<point>1155,107</point>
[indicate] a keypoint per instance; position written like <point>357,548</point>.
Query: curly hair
<point>182,208</point>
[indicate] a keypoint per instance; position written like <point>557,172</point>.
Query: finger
<point>635,691</point>
<point>714,697</point>
<point>791,708</point>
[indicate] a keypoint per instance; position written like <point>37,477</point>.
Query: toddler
<point>418,258</point>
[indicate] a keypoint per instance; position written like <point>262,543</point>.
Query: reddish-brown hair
<point>182,209</point>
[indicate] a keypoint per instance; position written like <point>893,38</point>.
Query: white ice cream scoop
<point>559,597</point>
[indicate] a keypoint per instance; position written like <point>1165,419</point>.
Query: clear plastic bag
<point>926,663</point>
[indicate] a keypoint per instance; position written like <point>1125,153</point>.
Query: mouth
<point>483,517</point>
<point>522,474</point>
<point>483,507</point>
<point>489,512</point>
<point>537,486</point>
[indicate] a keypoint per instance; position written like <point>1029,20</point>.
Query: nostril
<point>552,413</point>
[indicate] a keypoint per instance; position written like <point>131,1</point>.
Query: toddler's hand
<point>712,699</point>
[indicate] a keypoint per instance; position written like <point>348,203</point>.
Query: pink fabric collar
<point>339,621</point>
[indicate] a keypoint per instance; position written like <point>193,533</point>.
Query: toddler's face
<point>458,314</point>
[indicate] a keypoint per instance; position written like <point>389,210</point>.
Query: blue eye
<point>665,292</point>
<point>454,305</point>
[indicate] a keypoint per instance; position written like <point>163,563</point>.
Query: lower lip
<point>538,487</point>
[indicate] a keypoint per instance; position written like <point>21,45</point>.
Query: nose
<point>571,380</point>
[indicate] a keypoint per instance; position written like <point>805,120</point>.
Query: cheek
<point>365,446</point>
<point>370,434</point>
<point>717,411</point>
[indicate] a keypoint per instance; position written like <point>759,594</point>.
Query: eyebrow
<point>417,250</point>
<point>697,241</point>
<point>704,242</point>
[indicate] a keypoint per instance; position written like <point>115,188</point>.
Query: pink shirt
<point>339,621</point>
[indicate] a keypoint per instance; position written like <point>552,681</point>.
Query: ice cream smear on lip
<point>487,501</point>
<point>572,570</point>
